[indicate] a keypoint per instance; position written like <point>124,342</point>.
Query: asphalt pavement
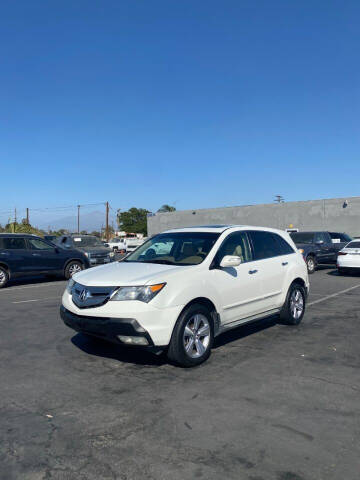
<point>272,403</point>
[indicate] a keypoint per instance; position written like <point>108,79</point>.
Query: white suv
<point>184,287</point>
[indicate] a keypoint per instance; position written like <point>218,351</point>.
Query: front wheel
<point>4,277</point>
<point>311,264</point>
<point>192,337</point>
<point>293,309</point>
<point>72,268</point>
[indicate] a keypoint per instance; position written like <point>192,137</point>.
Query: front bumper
<point>106,328</point>
<point>157,322</point>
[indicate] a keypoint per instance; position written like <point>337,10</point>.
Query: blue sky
<point>193,103</point>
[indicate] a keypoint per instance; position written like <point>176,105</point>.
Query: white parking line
<point>37,299</point>
<point>12,289</point>
<point>333,295</point>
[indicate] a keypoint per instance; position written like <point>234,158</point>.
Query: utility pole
<point>15,217</point>
<point>279,199</point>
<point>107,222</point>
<point>27,217</point>
<point>78,219</point>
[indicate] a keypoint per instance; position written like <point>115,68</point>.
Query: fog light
<point>133,340</point>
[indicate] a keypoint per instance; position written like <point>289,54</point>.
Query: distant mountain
<point>89,221</point>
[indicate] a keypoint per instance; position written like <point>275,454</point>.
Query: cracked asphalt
<point>272,403</point>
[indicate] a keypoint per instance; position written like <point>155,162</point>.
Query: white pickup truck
<point>126,244</point>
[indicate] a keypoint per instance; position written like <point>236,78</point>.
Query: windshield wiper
<point>163,262</point>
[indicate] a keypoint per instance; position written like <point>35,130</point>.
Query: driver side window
<point>235,244</point>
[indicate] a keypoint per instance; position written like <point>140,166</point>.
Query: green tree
<point>166,208</point>
<point>134,220</point>
<point>14,227</point>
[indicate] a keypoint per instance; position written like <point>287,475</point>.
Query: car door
<point>239,288</point>
<point>16,255</point>
<point>267,252</point>
<point>45,257</point>
<point>324,247</point>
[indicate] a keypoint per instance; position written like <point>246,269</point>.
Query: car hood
<point>120,274</point>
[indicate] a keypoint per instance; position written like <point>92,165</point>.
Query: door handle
<point>35,254</point>
<point>252,271</point>
<point>284,264</point>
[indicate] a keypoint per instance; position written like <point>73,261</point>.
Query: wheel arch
<point>73,260</point>
<point>5,267</point>
<point>299,281</point>
<point>206,302</point>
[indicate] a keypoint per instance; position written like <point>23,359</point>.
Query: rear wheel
<point>192,337</point>
<point>4,277</point>
<point>294,307</point>
<point>311,264</point>
<point>72,268</point>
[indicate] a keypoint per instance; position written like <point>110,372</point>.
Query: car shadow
<point>101,348</point>
<point>335,273</point>
<point>244,331</point>
<point>34,280</point>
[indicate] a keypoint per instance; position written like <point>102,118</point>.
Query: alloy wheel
<point>196,336</point>
<point>2,277</point>
<point>74,268</point>
<point>296,304</point>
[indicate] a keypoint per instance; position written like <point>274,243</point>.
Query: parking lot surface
<point>272,403</point>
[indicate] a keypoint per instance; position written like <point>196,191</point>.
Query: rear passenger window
<point>14,243</point>
<point>285,248</point>
<point>265,245</point>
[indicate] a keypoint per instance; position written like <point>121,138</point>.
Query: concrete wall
<point>329,214</point>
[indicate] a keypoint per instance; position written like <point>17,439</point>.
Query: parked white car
<point>184,287</point>
<point>349,257</point>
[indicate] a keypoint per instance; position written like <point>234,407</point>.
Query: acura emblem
<point>83,295</point>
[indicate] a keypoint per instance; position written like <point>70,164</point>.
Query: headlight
<point>143,294</point>
<point>87,254</point>
<point>70,284</point>
<point>111,254</point>
<point>301,250</point>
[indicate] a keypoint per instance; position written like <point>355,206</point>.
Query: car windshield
<point>302,237</point>
<point>183,248</point>
<point>87,242</point>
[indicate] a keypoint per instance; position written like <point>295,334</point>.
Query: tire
<point>311,264</point>
<point>4,277</point>
<point>290,313</point>
<point>187,348</point>
<point>73,267</point>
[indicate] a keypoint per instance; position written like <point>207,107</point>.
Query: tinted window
<point>264,245</point>
<point>235,244</point>
<point>353,245</point>
<point>285,248</point>
<point>302,237</point>
<point>339,237</point>
<point>37,244</point>
<point>13,243</point>
<point>321,237</point>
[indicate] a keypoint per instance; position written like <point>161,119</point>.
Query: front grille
<point>89,297</point>
<point>99,255</point>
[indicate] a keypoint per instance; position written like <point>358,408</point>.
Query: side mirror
<point>106,245</point>
<point>230,261</point>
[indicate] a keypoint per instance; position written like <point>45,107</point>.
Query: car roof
<point>27,235</point>
<point>221,228</point>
